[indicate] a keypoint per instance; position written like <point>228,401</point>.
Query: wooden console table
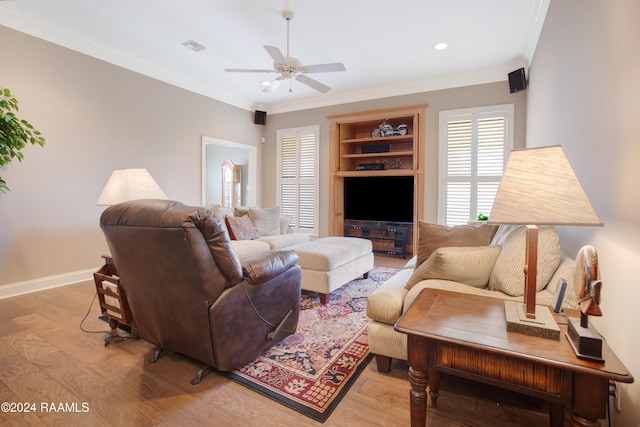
<point>466,336</point>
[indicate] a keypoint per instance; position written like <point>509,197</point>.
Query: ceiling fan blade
<point>275,84</point>
<point>246,70</point>
<point>275,53</point>
<point>313,83</point>
<point>322,68</point>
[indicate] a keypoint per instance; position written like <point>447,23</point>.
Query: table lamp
<point>129,184</point>
<point>539,187</point>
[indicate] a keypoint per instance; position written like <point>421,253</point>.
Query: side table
<point>113,298</point>
<point>466,335</point>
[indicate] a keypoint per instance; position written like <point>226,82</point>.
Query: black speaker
<point>517,80</point>
<point>260,117</point>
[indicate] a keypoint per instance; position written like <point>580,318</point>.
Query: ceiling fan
<point>290,68</point>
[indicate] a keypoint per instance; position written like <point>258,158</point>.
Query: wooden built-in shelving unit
<point>352,146</point>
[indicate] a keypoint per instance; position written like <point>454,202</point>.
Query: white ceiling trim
<point>489,75</point>
<point>540,13</point>
<point>45,30</point>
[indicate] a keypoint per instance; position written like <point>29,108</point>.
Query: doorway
<point>214,152</point>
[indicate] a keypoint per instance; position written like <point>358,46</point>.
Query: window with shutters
<point>474,146</point>
<point>297,166</point>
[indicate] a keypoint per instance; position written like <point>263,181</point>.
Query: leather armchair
<point>188,291</point>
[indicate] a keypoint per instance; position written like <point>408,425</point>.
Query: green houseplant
<point>15,133</point>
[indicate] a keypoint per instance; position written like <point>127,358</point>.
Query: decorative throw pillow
<point>508,273</point>
<point>242,210</point>
<point>469,265</point>
<point>241,227</point>
<point>221,213</point>
<point>434,236</point>
<point>284,224</point>
<point>266,220</point>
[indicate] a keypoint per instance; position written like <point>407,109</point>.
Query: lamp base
<point>586,342</point>
<point>544,325</point>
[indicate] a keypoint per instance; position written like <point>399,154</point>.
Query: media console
<point>390,239</point>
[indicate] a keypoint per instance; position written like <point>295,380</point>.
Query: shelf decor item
<point>539,187</point>
<point>584,339</point>
<point>386,129</point>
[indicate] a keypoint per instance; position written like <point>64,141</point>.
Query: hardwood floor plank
<point>45,357</point>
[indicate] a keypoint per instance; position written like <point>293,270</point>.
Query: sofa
<point>327,263</point>
<point>188,291</point>
<point>482,259</point>
<point>255,230</point>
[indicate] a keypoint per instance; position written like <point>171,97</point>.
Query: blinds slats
<point>298,178</point>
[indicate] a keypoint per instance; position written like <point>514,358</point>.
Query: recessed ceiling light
<point>440,46</point>
<point>265,83</point>
<point>194,45</point>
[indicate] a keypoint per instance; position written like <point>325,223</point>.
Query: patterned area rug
<point>311,370</point>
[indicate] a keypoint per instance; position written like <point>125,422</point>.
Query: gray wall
<point>583,94</point>
<point>447,99</point>
<point>96,117</point>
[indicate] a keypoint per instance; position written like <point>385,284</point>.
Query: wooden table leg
<point>434,387</point>
<point>590,396</point>
<point>556,414</point>
<point>418,378</point>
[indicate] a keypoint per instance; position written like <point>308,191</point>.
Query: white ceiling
<point>385,45</point>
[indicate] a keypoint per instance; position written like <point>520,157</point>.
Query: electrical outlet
<point>617,391</point>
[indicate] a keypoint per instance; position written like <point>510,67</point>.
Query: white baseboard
<point>35,285</point>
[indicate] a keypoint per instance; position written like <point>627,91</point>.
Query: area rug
<point>312,370</point>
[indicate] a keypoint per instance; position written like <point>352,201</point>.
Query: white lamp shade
<point>129,184</point>
<point>539,187</point>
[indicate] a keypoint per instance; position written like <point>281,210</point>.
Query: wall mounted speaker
<point>517,80</point>
<point>260,117</point>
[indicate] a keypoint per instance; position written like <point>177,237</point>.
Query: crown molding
<point>45,30</point>
<point>469,78</point>
<point>539,12</point>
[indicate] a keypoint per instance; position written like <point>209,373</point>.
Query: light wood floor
<point>46,359</point>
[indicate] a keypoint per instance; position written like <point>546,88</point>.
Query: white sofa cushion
<point>266,220</point>
<point>508,272</point>
<point>469,265</point>
<point>284,240</point>
<point>246,249</point>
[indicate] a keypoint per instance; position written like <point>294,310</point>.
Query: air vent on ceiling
<point>194,45</point>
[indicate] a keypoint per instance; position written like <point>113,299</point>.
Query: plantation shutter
<point>298,177</point>
<point>474,145</point>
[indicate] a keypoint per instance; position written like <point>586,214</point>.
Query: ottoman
<point>330,262</point>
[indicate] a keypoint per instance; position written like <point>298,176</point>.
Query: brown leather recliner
<point>188,291</point>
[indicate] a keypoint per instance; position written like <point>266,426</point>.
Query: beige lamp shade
<point>539,187</point>
<point>129,184</point>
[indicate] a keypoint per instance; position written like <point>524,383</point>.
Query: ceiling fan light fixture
<point>440,45</point>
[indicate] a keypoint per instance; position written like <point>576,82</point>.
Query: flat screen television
<point>379,198</point>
